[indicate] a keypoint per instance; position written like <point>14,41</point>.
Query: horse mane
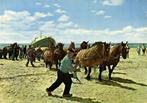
<point>92,49</point>
<point>96,43</point>
<point>115,50</point>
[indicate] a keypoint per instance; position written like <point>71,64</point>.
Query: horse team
<point>99,54</point>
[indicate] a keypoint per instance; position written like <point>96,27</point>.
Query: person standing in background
<point>143,49</point>
<point>139,49</point>
<point>30,56</point>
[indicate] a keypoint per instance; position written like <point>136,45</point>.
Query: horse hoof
<point>110,79</point>
<point>100,80</point>
<point>88,78</point>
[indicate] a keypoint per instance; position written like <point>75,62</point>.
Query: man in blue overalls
<point>63,75</point>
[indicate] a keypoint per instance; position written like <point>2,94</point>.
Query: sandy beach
<point>20,84</point>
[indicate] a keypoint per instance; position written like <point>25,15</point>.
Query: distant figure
<point>139,49</point>
<point>39,53</point>
<point>30,56</point>
<point>127,50</point>
<point>25,51</point>
<point>15,51</point>
<point>5,52</point>
<point>143,49</point>
<point>1,53</point>
<point>63,75</point>
<point>21,55</point>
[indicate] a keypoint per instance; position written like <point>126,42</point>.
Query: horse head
<point>51,45</point>
<point>84,45</point>
<point>60,45</point>
<point>107,49</point>
<point>125,50</point>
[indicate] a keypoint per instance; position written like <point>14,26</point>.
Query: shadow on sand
<point>113,83</point>
<point>77,99</point>
<point>117,80</point>
<point>129,81</point>
<point>24,75</point>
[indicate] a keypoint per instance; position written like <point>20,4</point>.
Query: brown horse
<point>91,57</point>
<point>49,55</point>
<point>84,45</point>
<point>114,58</point>
<point>59,54</point>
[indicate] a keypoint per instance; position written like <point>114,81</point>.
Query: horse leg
<point>50,65</point>
<point>85,70</point>
<point>110,71</point>
<point>89,71</point>
<point>109,68</point>
<point>101,68</point>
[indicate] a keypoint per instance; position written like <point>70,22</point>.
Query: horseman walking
<point>30,56</point>
<point>63,75</point>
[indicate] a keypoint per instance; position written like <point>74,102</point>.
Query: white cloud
<point>46,6</point>
<point>107,17</point>
<point>112,2</point>
<point>128,29</point>
<point>63,18</point>
<point>40,15</point>
<point>47,25</point>
<point>60,11</point>
<point>42,5</point>
<point>142,30</point>
<point>38,3</point>
<point>65,32</point>
<point>101,12</point>
<point>57,5</point>
<point>22,27</point>
<point>19,24</point>
<point>66,25</point>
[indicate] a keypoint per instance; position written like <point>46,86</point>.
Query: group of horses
<point>99,54</point>
<point>54,55</point>
<point>13,51</point>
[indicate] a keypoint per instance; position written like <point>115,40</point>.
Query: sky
<point>73,20</point>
